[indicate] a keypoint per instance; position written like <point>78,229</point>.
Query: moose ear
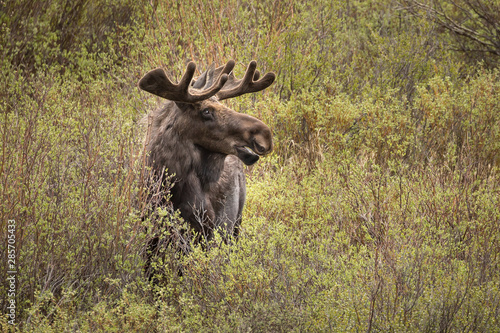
<point>205,79</point>
<point>155,82</point>
<point>210,76</point>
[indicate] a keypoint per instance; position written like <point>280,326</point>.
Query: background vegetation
<point>378,211</point>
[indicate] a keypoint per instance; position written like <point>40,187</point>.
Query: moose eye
<point>207,114</point>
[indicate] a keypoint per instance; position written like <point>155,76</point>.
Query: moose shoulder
<point>202,143</point>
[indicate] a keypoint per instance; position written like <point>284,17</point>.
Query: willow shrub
<point>71,181</point>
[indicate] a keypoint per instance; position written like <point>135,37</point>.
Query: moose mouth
<point>247,155</point>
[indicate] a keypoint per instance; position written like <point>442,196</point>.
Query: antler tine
<point>157,83</point>
<point>248,84</point>
<point>187,77</point>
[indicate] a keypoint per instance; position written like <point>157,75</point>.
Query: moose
<point>201,144</point>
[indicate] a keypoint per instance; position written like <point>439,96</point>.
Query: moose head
<point>201,143</point>
<point>207,123</point>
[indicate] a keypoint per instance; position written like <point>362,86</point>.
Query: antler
<point>157,83</point>
<point>248,84</point>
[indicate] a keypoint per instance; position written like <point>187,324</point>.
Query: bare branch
<point>479,25</point>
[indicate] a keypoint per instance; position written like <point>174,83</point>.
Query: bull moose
<point>201,144</point>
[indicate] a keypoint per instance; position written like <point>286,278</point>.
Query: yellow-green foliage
<point>379,209</point>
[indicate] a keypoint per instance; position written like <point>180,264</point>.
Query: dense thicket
<point>378,211</point>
